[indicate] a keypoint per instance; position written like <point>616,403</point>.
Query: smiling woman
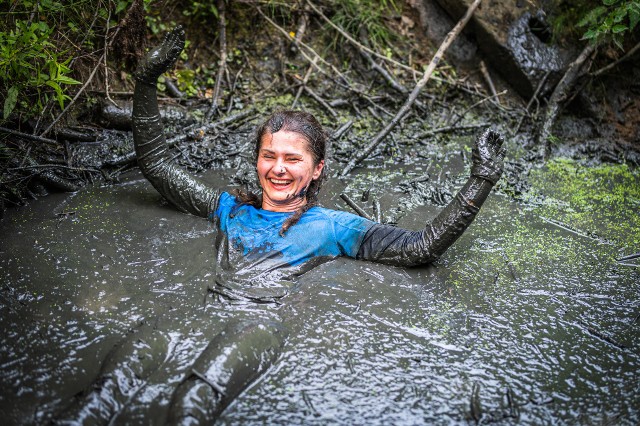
<point>285,170</point>
<point>265,240</point>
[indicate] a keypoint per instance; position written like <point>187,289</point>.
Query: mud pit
<point>527,318</point>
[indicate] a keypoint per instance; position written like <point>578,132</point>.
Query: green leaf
<point>63,79</point>
<point>10,101</point>
<point>54,85</point>
<point>609,2</point>
<point>619,28</point>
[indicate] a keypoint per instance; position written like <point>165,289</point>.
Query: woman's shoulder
<point>340,218</point>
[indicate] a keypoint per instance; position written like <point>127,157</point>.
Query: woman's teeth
<point>279,181</point>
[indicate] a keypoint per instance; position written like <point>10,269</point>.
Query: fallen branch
<point>321,101</point>
<point>487,78</point>
<point>28,136</point>
<point>305,79</point>
<point>355,207</point>
<point>559,96</point>
<point>216,387</point>
<point>626,56</point>
<point>414,94</point>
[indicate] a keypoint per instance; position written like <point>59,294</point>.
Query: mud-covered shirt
<point>250,245</point>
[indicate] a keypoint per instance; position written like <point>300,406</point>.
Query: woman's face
<point>285,170</point>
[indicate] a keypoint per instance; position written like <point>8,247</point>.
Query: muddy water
<point>527,319</point>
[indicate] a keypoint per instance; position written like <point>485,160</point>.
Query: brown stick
<point>321,101</point>
<point>559,96</point>
<point>626,56</point>
<point>414,93</point>
<point>304,83</point>
<point>222,28</point>
<point>28,136</point>
<point>487,78</point>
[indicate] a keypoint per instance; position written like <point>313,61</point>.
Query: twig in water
<point>414,93</point>
<point>601,336</point>
<point>630,257</point>
<point>354,206</point>
<point>573,231</point>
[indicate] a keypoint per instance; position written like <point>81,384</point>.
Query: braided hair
<point>308,127</point>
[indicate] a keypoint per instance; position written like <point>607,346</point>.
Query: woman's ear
<point>318,170</point>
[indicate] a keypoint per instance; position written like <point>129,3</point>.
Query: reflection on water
<point>521,321</point>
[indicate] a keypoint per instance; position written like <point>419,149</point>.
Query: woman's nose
<point>279,167</point>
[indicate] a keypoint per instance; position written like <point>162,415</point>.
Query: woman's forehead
<point>284,141</point>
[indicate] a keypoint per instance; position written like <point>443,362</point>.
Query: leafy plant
<point>30,64</point>
<point>611,20</point>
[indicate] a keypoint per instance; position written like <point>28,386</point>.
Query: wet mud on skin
<point>527,319</point>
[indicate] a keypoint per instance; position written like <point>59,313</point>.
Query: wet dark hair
<point>308,127</point>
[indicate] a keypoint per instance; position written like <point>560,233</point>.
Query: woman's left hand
<point>488,156</point>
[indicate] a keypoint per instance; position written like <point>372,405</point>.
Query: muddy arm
<point>397,246</point>
<point>184,191</point>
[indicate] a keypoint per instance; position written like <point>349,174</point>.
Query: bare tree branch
<point>414,93</point>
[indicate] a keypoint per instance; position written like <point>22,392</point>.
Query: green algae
<point>599,201</point>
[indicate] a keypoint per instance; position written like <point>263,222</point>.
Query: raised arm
<point>397,246</point>
<point>184,191</point>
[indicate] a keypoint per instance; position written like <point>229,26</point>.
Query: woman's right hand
<point>161,57</point>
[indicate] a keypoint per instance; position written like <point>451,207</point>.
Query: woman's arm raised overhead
<point>397,246</point>
<point>184,191</point>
